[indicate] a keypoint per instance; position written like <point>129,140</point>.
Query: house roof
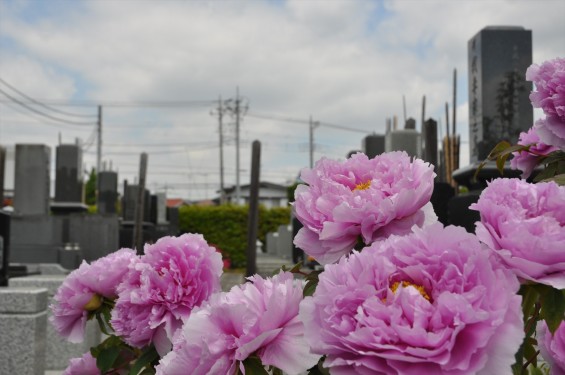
<point>176,202</point>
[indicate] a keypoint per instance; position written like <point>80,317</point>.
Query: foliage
<point>553,163</point>
<point>226,226</point>
<point>90,188</point>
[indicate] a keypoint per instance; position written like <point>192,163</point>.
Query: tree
<point>90,188</point>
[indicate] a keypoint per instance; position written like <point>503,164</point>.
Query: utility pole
<point>99,143</point>
<point>313,125</point>
<point>237,186</point>
<point>98,151</point>
<point>220,115</point>
<point>139,206</point>
<point>404,109</point>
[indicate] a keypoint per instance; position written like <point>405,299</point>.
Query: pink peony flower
<point>175,275</point>
<point>83,289</point>
<point>525,225</point>
<point>552,347</point>
<point>371,198</point>
<point>85,365</point>
<point>551,131</point>
<point>258,318</point>
<point>527,161</point>
<point>431,302</point>
<point>549,79</point>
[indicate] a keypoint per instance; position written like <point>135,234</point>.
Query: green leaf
<point>146,358</point>
<point>106,358</point>
<point>498,149</point>
<point>558,179</point>
<point>481,166</point>
<point>552,306</point>
<point>555,156</point>
<point>319,369</point>
<point>296,268</point>
<point>549,171</point>
<point>253,366</point>
<point>310,288</point>
<point>517,367</point>
<point>529,298</point>
<point>535,371</point>
<point>530,352</point>
<point>102,324</point>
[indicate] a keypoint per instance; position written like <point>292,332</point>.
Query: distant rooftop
<point>503,28</point>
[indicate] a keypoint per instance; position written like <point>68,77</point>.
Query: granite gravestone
<point>408,140</point>
<point>32,182</point>
<point>499,105</point>
<point>107,192</point>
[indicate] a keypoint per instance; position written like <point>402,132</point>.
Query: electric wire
<point>44,105</point>
<point>46,115</point>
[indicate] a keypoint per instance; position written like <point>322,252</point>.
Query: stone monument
<point>499,105</point>
<point>32,182</point>
<point>373,145</point>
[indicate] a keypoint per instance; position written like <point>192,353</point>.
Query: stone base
<point>23,323</point>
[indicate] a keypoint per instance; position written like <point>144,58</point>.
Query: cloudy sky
<point>158,69</point>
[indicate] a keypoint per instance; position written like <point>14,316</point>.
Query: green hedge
<point>226,226</point>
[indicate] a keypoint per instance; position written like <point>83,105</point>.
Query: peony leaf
<point>146,358</point>
<point>318,369</point>
<point>552,306</point>
<point>558,179</point>
<point>535,371</point>
<point>529,298</point>
<point>254,366</point>
<point>106,358</point>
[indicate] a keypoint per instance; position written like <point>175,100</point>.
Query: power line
<point>43,120</point>
<point>42,104</point>
<point>139,103</point>
<point>43,113</point>
<point>306,122</point>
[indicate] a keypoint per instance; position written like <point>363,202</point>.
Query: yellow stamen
<point>94,303</point>
<point>405,284</point>
<point>363,185</point>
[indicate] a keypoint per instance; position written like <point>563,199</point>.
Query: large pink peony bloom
<point>175,275</point>
<point>431,302</point>
<point>85,365</point>
<point>258,318</point>
<point>527,161</point>
<point>82,291</point>
<point>549,79</point>
<point>525,225</point>
<point>552,347</point>
<point>371,198</point>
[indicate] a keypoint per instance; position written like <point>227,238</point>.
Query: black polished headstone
<point>430,142</point>
<point>458,211</point>
<point>499,104</point>
<point>443,192</point>
<point>68,176</point>
<point>107,192</point>
<point>5,247</point>
<point>373,145</point>
<point>410,124</point>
